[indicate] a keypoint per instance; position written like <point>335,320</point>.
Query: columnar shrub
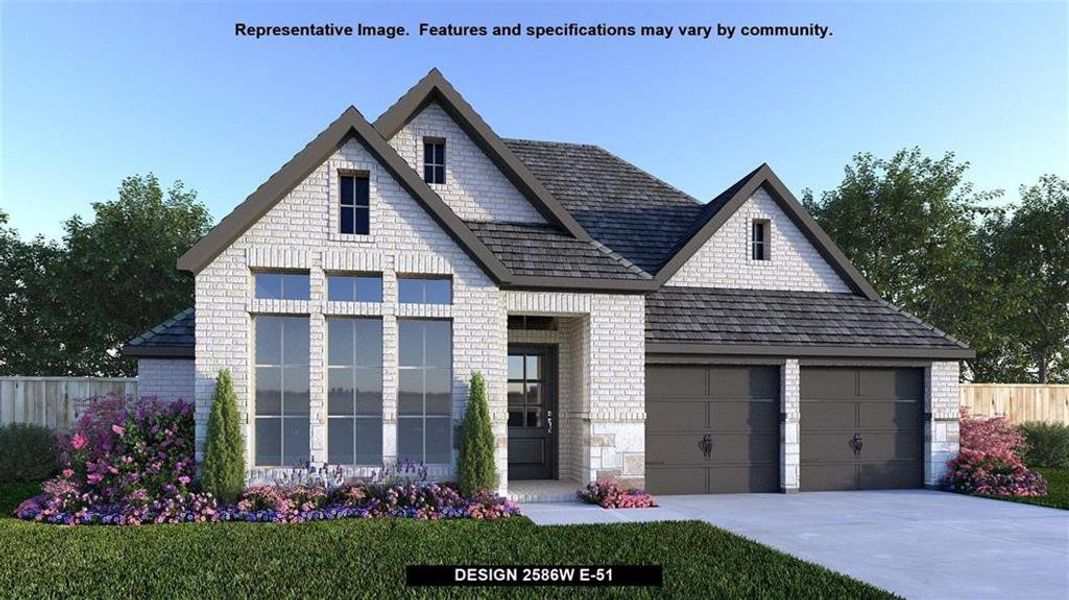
<point>27,453</point>
<point>989,460</point>
<point>1048,444</point>
<point>476,471</point>
<point>223,473</point>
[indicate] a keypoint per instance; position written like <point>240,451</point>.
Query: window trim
<point>425,276</point>
<point>282,399</point>
<point>765,243</point>
<point>355,274</point>
<point>342,174</point>
<point>354,417</point>
<point>268,271</point>
<point>437,168</point>
<point>423,369</point>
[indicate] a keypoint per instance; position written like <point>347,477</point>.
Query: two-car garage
<point>717,428</point>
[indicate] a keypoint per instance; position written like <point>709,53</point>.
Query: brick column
<point>790,415</point>
<point>942,398</point>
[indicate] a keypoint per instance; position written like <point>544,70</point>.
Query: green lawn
<point>366,558</point>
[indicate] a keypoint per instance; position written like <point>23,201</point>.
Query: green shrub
<point>1048,444</point>
<point>27,453</point>
<point>224,454</point>
<point>475,467</point>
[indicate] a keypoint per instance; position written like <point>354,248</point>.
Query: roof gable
<point>721,208</point>
<point>434,88</point>
<point>351,124</point>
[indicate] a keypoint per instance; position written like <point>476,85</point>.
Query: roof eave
<point>174,352</point>
<point>791,350</point>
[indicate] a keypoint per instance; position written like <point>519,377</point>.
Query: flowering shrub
<point>609,493</point>
<point>989,461</point>
<point>125,461</point>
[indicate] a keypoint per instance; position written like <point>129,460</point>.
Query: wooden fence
<point>1020,402</point>
<point>54,401</point>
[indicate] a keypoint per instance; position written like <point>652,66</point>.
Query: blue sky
<point>91,93</point>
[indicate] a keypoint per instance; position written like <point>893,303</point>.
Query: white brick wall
<point>165,378</point>
<point>790,428</point>
<point>299,233</point>
<point>942,392</point>
<point>474,187</point>
<point>725,259</point>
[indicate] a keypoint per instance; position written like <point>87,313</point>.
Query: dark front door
<point>533,423</point>
<point>862,428</point>
<point>712,429</point>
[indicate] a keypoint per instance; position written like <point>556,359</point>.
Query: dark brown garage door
<point>712,429</point>
<point>862,428</point>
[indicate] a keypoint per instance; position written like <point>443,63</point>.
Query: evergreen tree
<point>224,454</point>
<point>476,469</point>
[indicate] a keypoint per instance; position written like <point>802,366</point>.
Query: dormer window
<point>434,160</point>
<point>759,243</point>
<point>355,204</point>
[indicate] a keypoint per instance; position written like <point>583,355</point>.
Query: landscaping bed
<point>366,558</point>
<point>1057,490</point>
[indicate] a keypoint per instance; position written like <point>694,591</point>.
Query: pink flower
<point>68,473</point>
<point>184,480</point>
<point>94,478</point>
<point>78,441</point>
<point>118,430</point>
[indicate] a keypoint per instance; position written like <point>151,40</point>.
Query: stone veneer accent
<point>942,399</point>
<point>790,449</point>
<point>166,378</point>
<point>725,259</point>
<point>474,187</point>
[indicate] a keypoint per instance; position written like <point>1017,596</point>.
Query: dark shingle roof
<point>685,315</point>
<point>625,208</point>
<point>544,250</point>
<point>172,339</point>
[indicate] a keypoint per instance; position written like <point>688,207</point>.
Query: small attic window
<point>434,160</point>
<point>355,209</point>
<point>759,242</point>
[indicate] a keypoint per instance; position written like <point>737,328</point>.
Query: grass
<point>366,558</point>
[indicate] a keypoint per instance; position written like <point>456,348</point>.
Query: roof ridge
<point>556,142</point>
<point>620,259</point>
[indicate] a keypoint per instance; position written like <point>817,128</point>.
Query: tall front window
<point>355,210</point>
<point>282,390</point>
<point>424,402</point>
<point>354,391</point>
<point>434,160</point>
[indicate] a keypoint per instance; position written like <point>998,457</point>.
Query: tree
<point>909,224</point>
<point>1030,252</point>
<point>475,466</point>
<point>223,473</point>
<point>120,276</point>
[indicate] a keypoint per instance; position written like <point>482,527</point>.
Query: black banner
<point>533,575</point>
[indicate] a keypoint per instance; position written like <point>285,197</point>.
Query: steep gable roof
<point>718,211</point>
<point>351,124</point>
<point>434,88</point>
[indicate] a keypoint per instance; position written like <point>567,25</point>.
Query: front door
<point>533,423</point>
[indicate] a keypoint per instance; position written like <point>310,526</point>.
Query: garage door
<point>712,429</point>
<point>861,428</point>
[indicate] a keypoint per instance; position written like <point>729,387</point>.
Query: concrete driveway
<point>916,543</point>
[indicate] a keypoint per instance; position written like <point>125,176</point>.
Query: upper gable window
<point>434,160</point>
<point>354,287</point>
<point>424,290</point>
<point>355,200</point>
<point>759,243</point>
<point>275,285</point>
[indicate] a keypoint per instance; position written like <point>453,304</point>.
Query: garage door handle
<point>706,445</point>
<point>856,443</point>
